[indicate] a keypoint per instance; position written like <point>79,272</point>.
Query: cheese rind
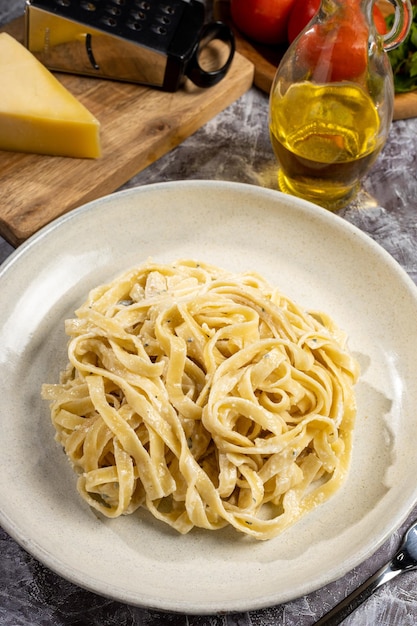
<point>37,113</point>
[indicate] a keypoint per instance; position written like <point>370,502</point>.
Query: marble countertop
<point>235,146</point>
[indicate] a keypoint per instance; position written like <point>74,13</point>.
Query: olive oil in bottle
<point>325,136</point>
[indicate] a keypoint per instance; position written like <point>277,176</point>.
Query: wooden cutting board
<point>267,58</point>
<point>138,126</point>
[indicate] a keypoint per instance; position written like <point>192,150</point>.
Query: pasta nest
<point>207,397</point>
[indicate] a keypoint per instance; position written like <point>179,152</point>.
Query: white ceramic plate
<point>316,258</point>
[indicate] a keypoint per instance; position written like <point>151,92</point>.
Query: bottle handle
<point>401,26</point>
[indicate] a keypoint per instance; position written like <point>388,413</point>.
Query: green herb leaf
<point>403,59</point>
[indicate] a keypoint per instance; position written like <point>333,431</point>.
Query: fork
<point>404,561</point>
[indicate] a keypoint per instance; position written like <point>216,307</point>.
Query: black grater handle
<point>211,32</point>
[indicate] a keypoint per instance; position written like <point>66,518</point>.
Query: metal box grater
<point>151,42</point>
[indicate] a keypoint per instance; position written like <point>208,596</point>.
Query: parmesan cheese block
<point>37,113</point>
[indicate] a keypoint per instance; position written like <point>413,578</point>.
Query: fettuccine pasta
<point>207,397</point>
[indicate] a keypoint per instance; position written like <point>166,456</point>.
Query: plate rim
<point>60,222</point>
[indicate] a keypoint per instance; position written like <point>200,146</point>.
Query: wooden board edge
<point>17,228</point>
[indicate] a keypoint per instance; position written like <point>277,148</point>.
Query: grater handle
<point>210,32</point>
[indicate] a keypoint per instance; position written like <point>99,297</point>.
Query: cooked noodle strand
<point>207,397</point>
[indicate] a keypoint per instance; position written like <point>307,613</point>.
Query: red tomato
<point>303,11</point>
<point>335,51</point>
<point>264,21</point>
<point>379,21</point>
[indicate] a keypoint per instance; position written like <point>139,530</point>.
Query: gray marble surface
<point>235,146</point>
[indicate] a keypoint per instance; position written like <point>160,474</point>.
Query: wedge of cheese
<point>37,113</point>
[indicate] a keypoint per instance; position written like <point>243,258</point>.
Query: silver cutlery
<point>404,561</point>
